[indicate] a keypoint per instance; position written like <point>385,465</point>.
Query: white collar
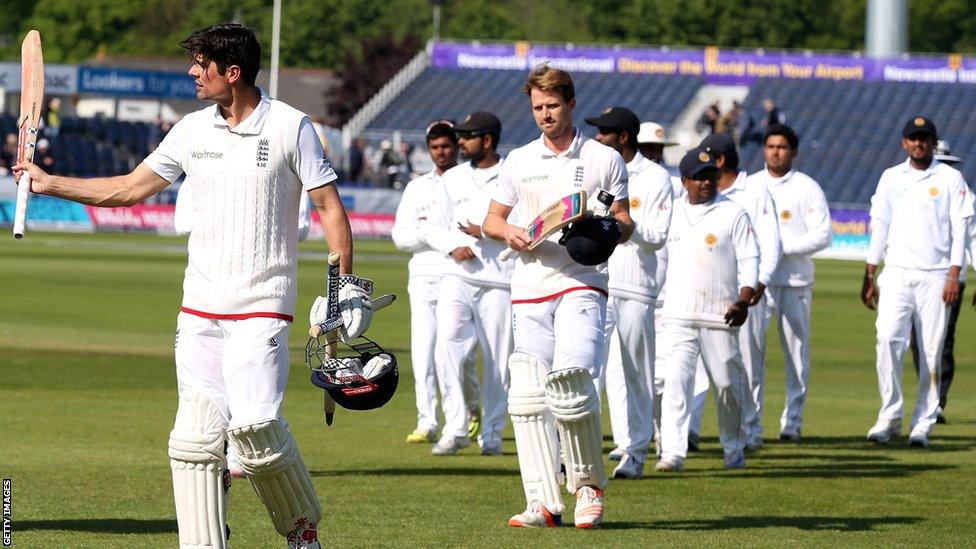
<point>779,180</point>
<point>638,163</point>
<point>906,167</point>
<point>251,125</point>
<point>738,185</point>
<point>573,149</point>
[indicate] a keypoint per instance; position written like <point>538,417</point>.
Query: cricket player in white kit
<point>474,295</point>
<point>415,230</point>
<point>558,308</point>
<point>804,229</point>
<point>920,215</point>
<point>755,200</point>
<point>629,335</point>
<point>712,271</point>
<point>248,158</point>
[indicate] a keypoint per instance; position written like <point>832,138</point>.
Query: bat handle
<point>20,212</point>
<point>507,253</point>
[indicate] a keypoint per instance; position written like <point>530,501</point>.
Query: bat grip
<point>507,253</point>
<point>20,211</point>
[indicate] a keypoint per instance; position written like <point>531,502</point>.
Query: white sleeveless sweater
<point>244,245</point>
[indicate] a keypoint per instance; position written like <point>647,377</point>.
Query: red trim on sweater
<point>241,316</point>
<point>600,291</point>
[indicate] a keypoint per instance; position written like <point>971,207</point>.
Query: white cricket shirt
<point>533,178</point>
<point>712,254</point>
<point>633,265</point>
<point>468,193</point>
<point>415,229</point>
<point>919,219</point>
<point>755,200</point>
<point>804,224</point>
<point>247,183</point>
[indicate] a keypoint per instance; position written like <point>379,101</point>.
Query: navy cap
<point>617,118</point>
<point>721,143</point>
<point>695,162</point>
<point>480,123</point>
<point>919,124</point>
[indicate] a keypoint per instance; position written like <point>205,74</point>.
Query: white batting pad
<point>196,451</point>
<point>535,431</point>
<point>269,457</point>
<point>576,407</point>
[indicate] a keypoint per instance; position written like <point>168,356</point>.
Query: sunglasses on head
<point>435,123</point>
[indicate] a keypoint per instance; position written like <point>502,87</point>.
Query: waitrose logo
<point>205,154</point>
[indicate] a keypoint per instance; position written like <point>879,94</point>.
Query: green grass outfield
<point>88,393</point>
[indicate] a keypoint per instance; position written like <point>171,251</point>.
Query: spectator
<point>773,114</point>
<point>43,156</point>
<point>708,119</point>
<point>8,154</point>
<point>52,119</point>
<point>389,163</point>
<point>357,159</point>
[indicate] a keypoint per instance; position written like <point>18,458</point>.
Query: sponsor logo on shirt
<point>205,155</point>
<point>535,178</point>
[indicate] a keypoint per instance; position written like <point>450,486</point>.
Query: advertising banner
<point>125,82</point>
<point>58,79</point>
<point>715,65</point>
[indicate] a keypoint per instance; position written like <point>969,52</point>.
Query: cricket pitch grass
<point>88,394</point>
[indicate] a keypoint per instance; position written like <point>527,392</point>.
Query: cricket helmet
<point>363,380</point>
<point>591,241</point>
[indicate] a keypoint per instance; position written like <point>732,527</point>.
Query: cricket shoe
<point>589,507</point>
<point>420,436</point>
<point>474,423</point>
<point>940,416</point>
<point>448,446</point>
<point>735,460</point>
<point>670,465</point>
<point>790,433</point>
<point>754,444</point>
<point>616,454</point>
<point>629,467</point>
<point>491,449</point>
<point>306,536</point>
<point>693,440</point>
<point>882,431</point>
<point>536,515</point>
<point>918,440</point>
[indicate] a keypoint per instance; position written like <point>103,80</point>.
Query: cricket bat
<point>556,216</point>
<point>31,101</point>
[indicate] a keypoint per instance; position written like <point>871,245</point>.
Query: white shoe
<point>616,454</point>
<point>882,431</point>
<point>670,465</point>
<point>735,460</point>
<point>450,445</point>
<point>630,467</point>
<point>589,507</point>
<point>535,516</point>
<point>304,537</point>
<point>918,440</point>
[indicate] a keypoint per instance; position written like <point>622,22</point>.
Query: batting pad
<point>535,431</point>
<point>270,459</point>
<point>576,407</point>
<point>196,451</point>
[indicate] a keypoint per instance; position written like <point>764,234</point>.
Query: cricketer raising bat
<point>31,99</point>
<point>556,216</point>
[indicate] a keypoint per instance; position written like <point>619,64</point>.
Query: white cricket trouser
<point>242,365</point>
<point>461,307</point>
<point>719,351</point>
<point>700,396</point>
<point>565,332</point>
<point>791,307</point>
<point>423,292</point>
<point>629,358</point>
<point>907,295</point>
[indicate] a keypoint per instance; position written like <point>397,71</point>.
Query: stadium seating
<point>453,93</point>
<point>88,147</point>
<point>851,131</point>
